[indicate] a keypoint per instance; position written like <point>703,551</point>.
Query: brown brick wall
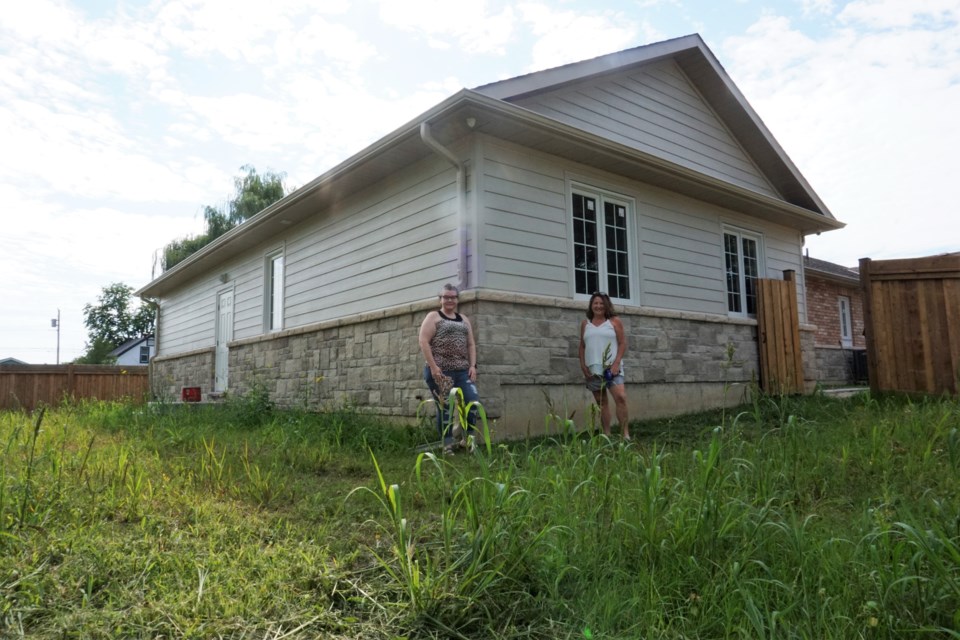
<point>823,310</point>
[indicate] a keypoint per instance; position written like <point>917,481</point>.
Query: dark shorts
<point>596,382</point>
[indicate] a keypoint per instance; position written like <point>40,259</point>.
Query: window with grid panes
<point>741,251</point>
<point>601,246</point>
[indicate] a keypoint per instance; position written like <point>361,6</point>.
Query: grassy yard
<point>787,518</point>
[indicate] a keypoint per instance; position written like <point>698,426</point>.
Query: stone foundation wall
<point>528,362</point>
<point>169,374</point>
<point>675,363</point>
<point>372,362</point>
<point>839,366</point>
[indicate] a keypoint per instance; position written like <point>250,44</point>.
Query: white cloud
<point>568,36</point>
<point>868,118</point>
<point>473,27</point>
<point>42,21</point>
<point>890,14</point>
<point>815,7</point>
<point>325,40</point>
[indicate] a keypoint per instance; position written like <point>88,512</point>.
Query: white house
<point>135,352</point>
<point>644,173</point>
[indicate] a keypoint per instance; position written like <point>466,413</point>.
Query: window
<point>846,327</point>
<point>273,292</point>
<point>601,245</point>
<point>144,354</point>
<point>741,251</point>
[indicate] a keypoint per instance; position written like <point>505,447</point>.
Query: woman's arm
<point>471,351</point>
<point>428,329</point>
<point>583,351</point>
<point>621,345</point>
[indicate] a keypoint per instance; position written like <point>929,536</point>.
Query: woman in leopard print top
<point>448,346</point>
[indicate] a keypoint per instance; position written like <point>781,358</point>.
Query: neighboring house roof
<point>488,109</point>
<point>11,361</point>
<point>133,343</point>
<point>831,271</point>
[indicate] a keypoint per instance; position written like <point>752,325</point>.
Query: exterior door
<point>224,336</point>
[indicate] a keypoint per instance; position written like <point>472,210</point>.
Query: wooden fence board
<point>912,321</point>
<point>778,327</point>
<point>27,386</point>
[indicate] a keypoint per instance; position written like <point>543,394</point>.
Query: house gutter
<point>431,142</point>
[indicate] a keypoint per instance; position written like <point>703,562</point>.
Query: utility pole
<point>55,322</point>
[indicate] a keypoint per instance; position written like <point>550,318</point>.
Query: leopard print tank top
<point>449,344</point>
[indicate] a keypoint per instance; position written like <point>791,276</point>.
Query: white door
<point>224,335</point>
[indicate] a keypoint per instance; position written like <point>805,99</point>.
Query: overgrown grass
<point>787,518</point>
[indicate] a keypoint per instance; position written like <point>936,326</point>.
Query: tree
<point>253,193</point>
<point>113,321</point>
<point>97,353</point>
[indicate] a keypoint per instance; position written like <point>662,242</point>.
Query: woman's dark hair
<point>607,305</point>
<point>449,287</point>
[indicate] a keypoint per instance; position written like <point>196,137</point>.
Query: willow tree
<point>252,194</point>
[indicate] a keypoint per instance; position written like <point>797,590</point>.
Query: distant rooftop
<point>831,268</point>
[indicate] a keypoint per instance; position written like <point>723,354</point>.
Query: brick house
<point>835,306</point>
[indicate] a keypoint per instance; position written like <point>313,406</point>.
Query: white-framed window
<point>846,324</point>
<point>144,354</point>
<point>602,251</point>
<point>742,251</point>
<point>273,291</point>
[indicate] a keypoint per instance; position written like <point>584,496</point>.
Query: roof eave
<point>698,184</point>
<point>492,113</point>
<point>705,71</point>
<point>194,264</point>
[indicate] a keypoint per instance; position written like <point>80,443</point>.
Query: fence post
<point>71,380</point>
<point>869,330</point>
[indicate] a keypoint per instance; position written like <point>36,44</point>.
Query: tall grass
<point>800,518</point>
<point>786,518</point>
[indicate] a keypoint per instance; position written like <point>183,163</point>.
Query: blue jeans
<point>444,424</point>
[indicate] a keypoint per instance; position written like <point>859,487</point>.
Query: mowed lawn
<point>787,517</point>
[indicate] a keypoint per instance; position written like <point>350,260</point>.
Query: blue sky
<point>120,120</point>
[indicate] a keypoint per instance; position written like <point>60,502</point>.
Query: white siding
<point>655,108</point>
<point>377,250</point>
<point>678,244</point>
<point>390,244</point>
<point>524,223</point>
<point>187,319</point>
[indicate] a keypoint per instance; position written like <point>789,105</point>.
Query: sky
<point>121,119</point>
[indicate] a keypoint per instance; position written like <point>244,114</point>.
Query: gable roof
<point>129,344</point>
<point>707,74</point>
<point>488,109</point>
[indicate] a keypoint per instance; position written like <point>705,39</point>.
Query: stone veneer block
<point>527,353</point>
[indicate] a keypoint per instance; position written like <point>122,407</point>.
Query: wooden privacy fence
<point>911,312</point>
<point>778,330</point>
<point>27,386</point>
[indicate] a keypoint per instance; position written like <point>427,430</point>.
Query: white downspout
<point>429,140</point>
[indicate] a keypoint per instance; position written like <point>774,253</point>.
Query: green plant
<point>797,517</point>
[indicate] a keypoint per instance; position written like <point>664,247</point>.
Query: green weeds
<point>784,518</point>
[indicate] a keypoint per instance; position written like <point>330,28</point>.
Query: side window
<point>602,254</point>
<point>144,354</point>
<point>846,327</point>
<point>273,292</point>
<point>741,254</point>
